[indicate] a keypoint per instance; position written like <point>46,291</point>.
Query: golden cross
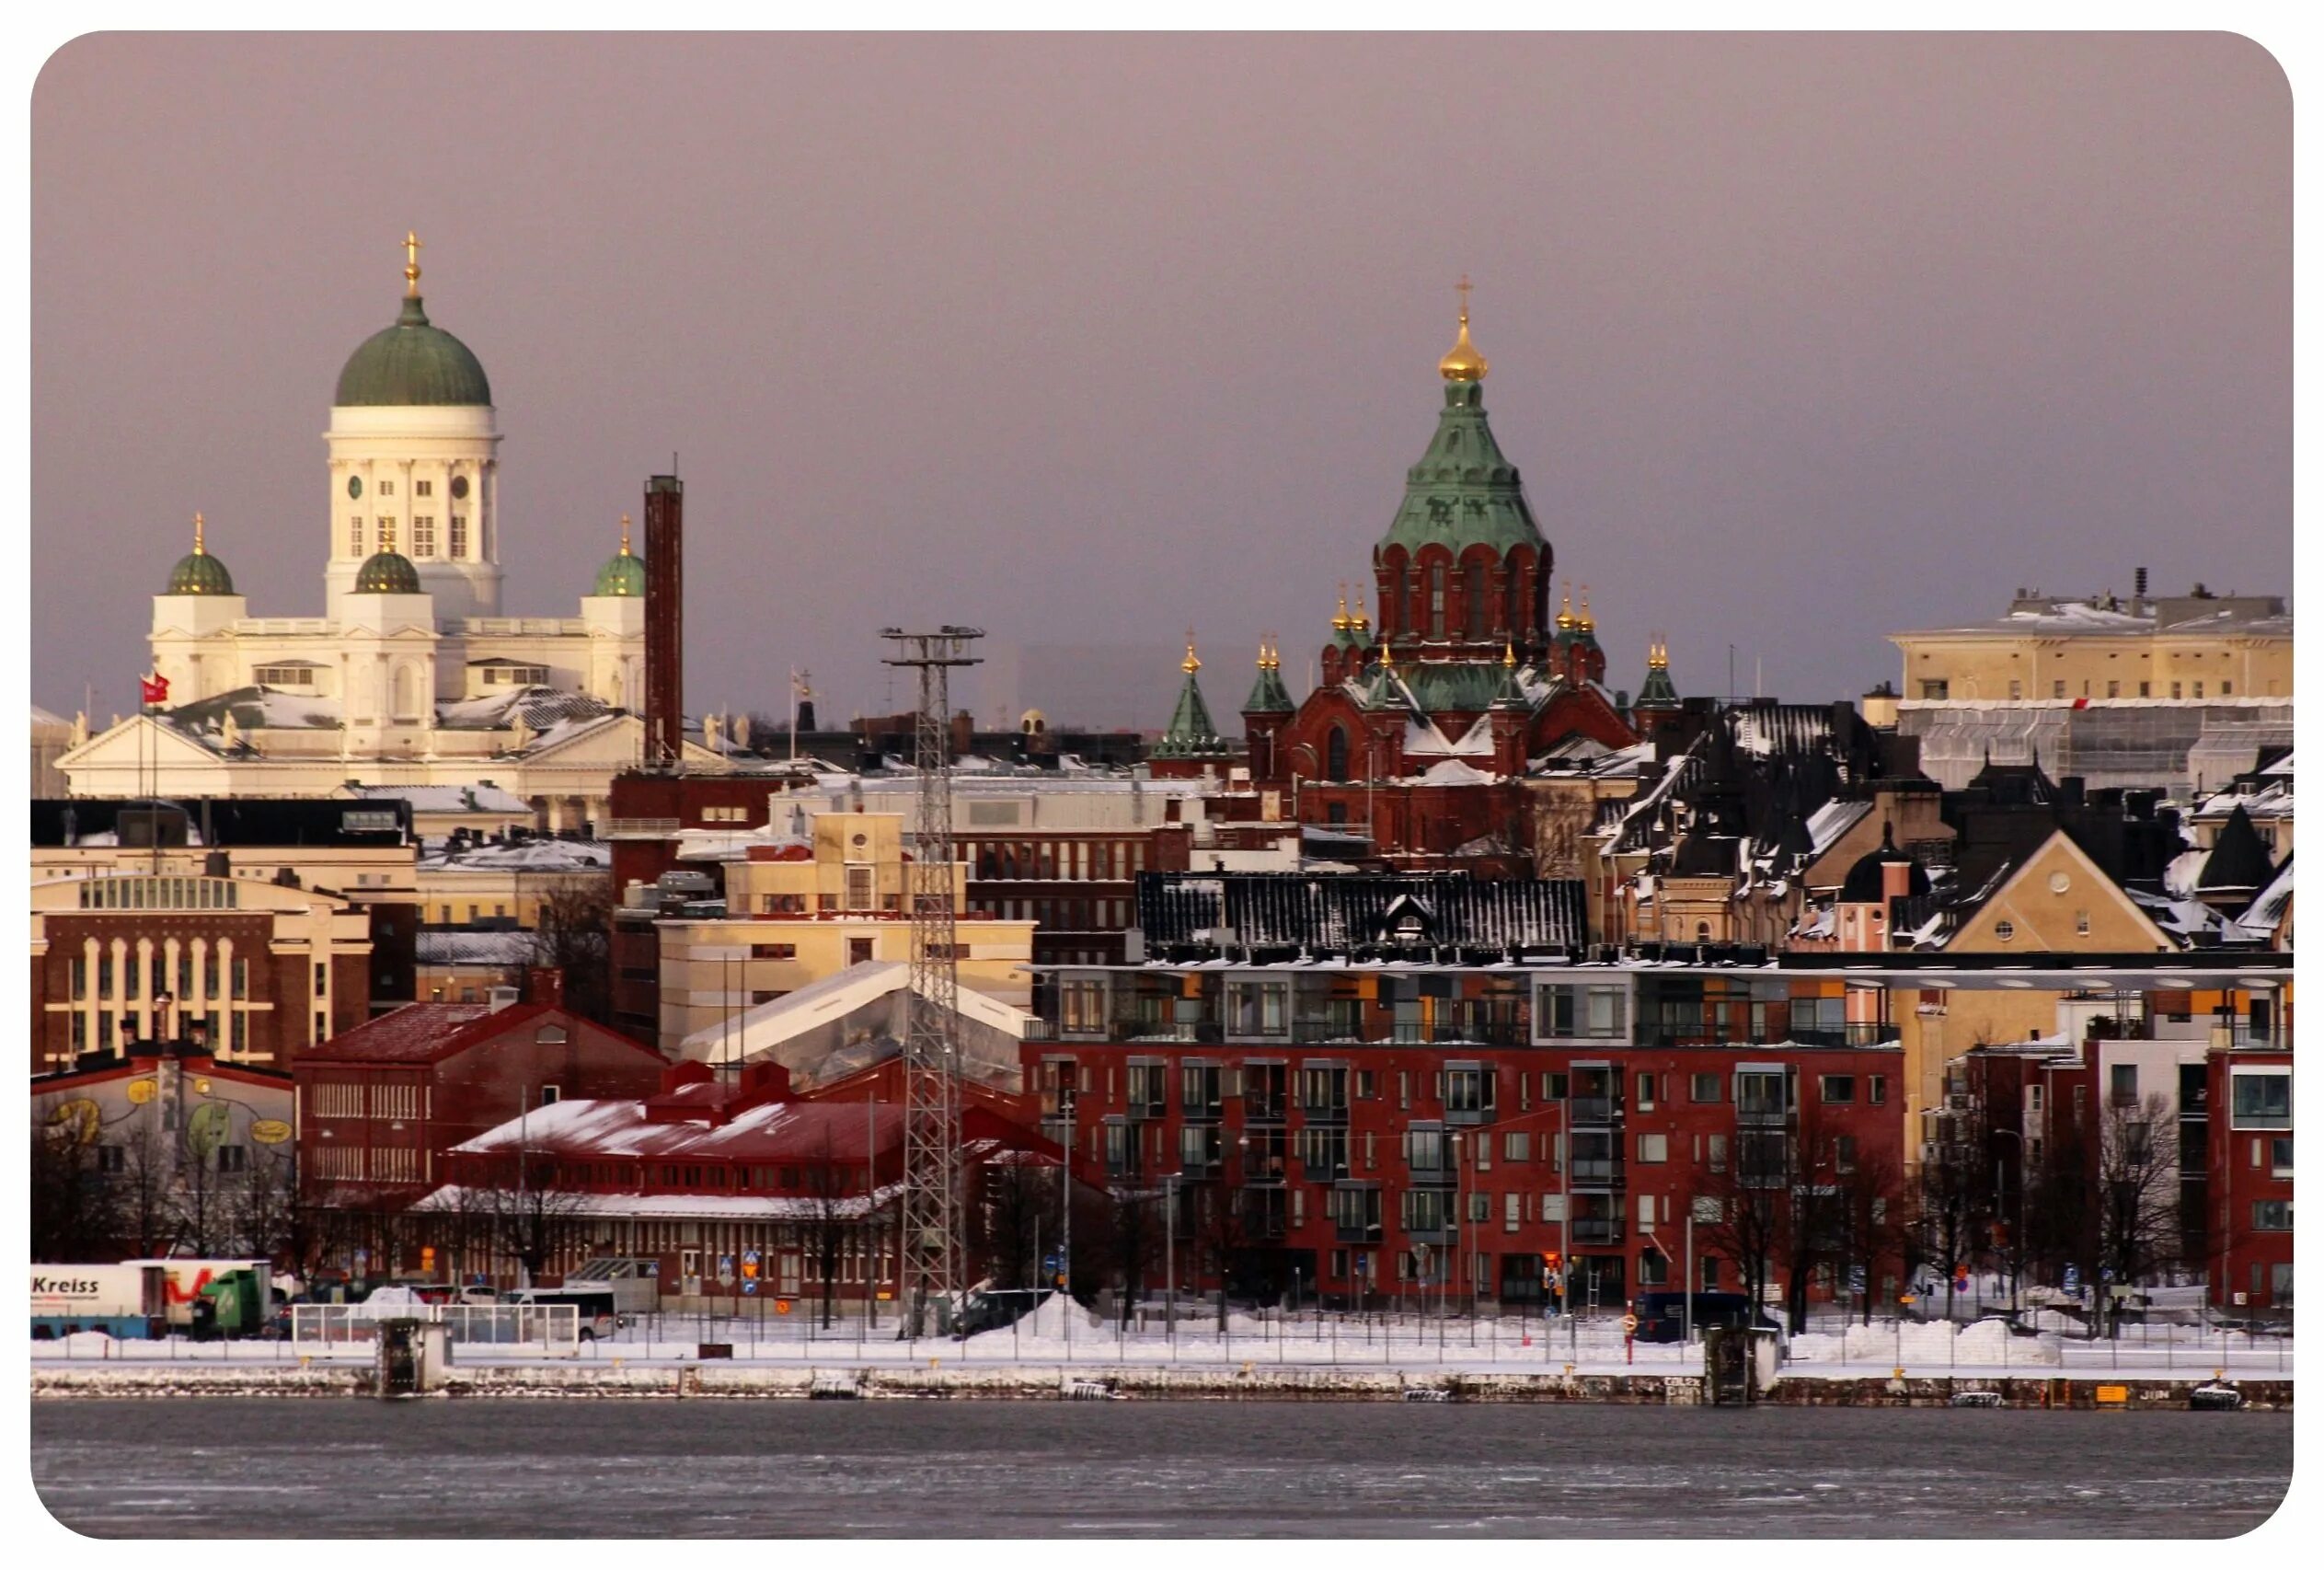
<point>625,534</point>
<point>1464,287</point>
<point>412,261</point>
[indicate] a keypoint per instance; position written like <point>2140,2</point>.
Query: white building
<point>413,675</point>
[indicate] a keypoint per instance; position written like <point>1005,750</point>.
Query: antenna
<point>929,1243</point>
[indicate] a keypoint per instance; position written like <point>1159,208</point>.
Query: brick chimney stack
<point>665,622</point>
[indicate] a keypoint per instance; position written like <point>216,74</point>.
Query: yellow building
<point>2187,647</point>
<point>802,910</point>
<point>476,882</point>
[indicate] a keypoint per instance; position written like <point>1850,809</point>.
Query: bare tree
<point>1014,1203</point>
<point>572,935</point>
<point>829,1224</point>
<point>145,1209</point>
<point>533,1219</point>
<point>2137,1193</point>
<point>71,1200</point>
<point>1746,1190</point>
<point>1870,1217</point>
<point>1133,1228</point>
<point>265,1210</point>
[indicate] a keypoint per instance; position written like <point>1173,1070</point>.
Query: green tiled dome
<point>623,575</point>
<point>387,573</point>
<point>411,364</point>
<point>198,571</point>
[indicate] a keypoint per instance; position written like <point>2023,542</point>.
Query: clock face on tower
<point>354,486</point>
<point>459,488</point>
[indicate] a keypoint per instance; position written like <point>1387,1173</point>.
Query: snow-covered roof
<point>1452,771</point>
<point>680,1206</point>
<point>446,798</point>
<point>779,1020</point>
<point>503,949</point>
<point>527,855</point>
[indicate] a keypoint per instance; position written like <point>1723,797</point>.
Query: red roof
<point>428,1032</point>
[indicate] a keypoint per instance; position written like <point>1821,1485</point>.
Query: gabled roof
<point>2238,864</point>
<point>428,1032</point>
<point>1350,910</point>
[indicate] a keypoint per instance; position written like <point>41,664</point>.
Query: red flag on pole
<point>154,689</point>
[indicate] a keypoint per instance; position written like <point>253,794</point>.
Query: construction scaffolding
<point>929,1242</point>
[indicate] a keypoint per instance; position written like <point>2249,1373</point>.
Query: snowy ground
<point>1053,1336</point>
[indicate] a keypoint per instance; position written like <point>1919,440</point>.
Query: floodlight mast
<point>929,1238</point>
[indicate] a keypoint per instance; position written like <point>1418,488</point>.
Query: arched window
<point>1335,755</point>
<point>1436,599</point>
<point>1515,595</point>
<point>1474,594</point>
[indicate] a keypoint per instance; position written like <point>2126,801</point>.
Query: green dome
<point>412,364</point>
<point>387,573</point>
<point>623,575</point>
<point>198,572</point>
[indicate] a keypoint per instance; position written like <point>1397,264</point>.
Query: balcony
<point>1762,1114</point>
<point>1133,1027</point>
<point>1260,1108</point>
<point>1596,1231</point>
<point>1355,1231</point>
<point>1594,1111</point>
<point>1324,1113</point>
<point>1597,1175</point>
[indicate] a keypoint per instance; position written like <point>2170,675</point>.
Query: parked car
<point>996,1309</point>
<point>1663,1316</point>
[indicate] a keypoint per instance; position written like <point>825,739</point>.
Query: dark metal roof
<point>227,821</point>
<point>1345,911</point>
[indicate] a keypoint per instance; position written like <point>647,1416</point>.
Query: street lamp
<point>1170,1252</point>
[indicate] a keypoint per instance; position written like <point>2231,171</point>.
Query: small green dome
<point>387,573</point>
<point>623,575</point>
<point>198,572</point>
<point>412,364</point>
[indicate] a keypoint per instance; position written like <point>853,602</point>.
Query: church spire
<point>411,264</point>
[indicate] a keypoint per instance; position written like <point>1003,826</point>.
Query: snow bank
<point>1986,1342</point>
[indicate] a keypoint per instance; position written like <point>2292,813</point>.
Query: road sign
<point>2073,1280</point>
<point>750,1256</point>
<point>1630,1324</point>
<point>1908,1298</point>
<point>782,1305</point>
<point>749,1288</point>
<point>1855,1280</point>
<point>2107,1274</point>
<point>1053,1263</point>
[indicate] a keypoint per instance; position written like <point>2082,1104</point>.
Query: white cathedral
<point>412,676</point>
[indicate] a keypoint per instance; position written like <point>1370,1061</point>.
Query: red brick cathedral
<point>1425,727</point>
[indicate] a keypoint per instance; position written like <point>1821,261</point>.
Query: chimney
<point>665,622</point>
<point>2138,587</point>
<point>546,984</point>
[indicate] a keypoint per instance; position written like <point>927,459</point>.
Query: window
<point>2280,1156</point>
<point>233,1159</point>
<point>1436,599</point>
<point>1518,1147</point>
<point>2146,689</point>
<point>2271,1214</point>
<point>1473,591</point>
<point>386,488</point>
<point>2017,690</point>
<point>1081,1006</point>
<point>774,951</point>
<point>1424,1148</point>
<point>1148,1095</point>
<point>1702,1087</point>
<point>2175,691</point>
<point>2122,1084</point>
<point>1199,1090</point>
<point>1645,1092</point>
<point>1938,690</point>
<point>2198,689</point>
<point>1468,1090</point>
<point>1876,1091</point>
<point>2057,689</point>
<point>356,537</point>
<point>423,536</point>
<point>1335,750</point>
<point>549,1094</point>
<point>1653,1149</point>
<point>1838,1090</point>
<point>1653,1268</point>
<point>1569,1012</point>
<point>2082,923</point>
<point>386,534</point>
<point>2262,1101</point>
<point>457,536</point>
<point>283,675</point>
<point>2113,689</point>
<point>1259,1008</point>
<point>2004,931</point>
<point>2227,690</point>
<point>423,488</point>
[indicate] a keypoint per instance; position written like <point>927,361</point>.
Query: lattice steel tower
<point>930,1238</point>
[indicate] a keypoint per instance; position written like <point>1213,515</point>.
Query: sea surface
<point>343,1468</point>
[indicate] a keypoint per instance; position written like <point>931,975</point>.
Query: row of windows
<point>423,536</point>
<point>346,1098</point>
<point>1043,860</point>
<point>159,893</point>
<point>1943,689</point>
<point>115,1030</point>
<point>154,975</point>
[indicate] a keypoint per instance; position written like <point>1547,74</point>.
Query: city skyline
<point>1949,315</point>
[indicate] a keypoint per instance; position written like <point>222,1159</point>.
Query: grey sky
<point>1796,340</point>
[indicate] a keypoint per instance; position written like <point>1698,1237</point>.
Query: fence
<point>551,1327</point>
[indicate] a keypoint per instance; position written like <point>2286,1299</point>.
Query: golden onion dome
<point>1464,363</point>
